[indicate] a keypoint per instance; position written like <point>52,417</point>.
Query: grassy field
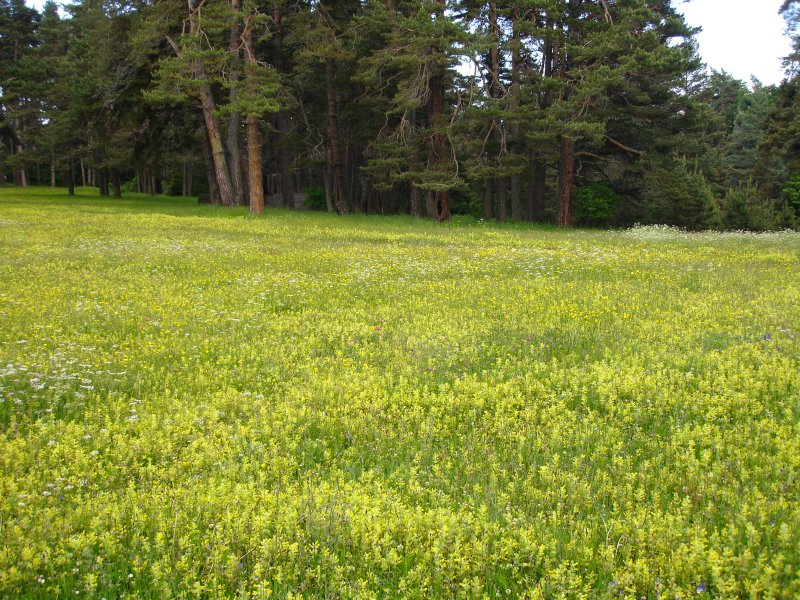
<point>197,403</point>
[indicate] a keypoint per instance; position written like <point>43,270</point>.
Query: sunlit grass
<point>195,402</point>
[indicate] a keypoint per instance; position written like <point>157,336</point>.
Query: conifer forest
<point>572,112</point>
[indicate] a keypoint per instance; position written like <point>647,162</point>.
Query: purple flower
<point>701,588</point>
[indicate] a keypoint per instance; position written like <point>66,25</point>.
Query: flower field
<point>196,403</point>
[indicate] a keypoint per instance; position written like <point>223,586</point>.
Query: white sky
<point>743,37</point>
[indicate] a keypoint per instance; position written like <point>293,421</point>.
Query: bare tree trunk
<point>517,212</point>
<point>488,211</point>
<point>567,181</point>
<point>256,182</point>
<point>328,180</point>
<point>256,178</point>
<point>83,174</point>
<point>500,193</point>
<point>417,207</point>
<point>221,168</point>
<point>442,197</point>
<point>496,92</point>
<point>52,169</point>
<point>116,184</point>
<point>282,121</point>
<point>104,181</point>
<point>538,189</point>
<point>71,177</point>
<point>335,141</point>
<point>234,119</point>
<point>213,189</point>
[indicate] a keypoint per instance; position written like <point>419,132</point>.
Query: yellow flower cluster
<point>199,404</point>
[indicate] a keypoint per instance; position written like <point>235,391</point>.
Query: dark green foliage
<point>675,194</point>
<point>743,210</point>
<point>369,103</point>
<point>315,198</point>
<point>596,204</point>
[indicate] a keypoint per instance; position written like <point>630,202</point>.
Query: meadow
<point>196,403</point>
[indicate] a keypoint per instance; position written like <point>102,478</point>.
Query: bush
<point>743,210</point>
<point>674,195</point>
<point>315,198</point>
<point>596,204</point>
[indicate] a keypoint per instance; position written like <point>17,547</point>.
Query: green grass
<point>198,403</point>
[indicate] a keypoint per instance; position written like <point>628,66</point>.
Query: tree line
<point>590,112</point>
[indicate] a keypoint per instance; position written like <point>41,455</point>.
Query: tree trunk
<point>20,174</point>
<point>213,189</point>
<point>417,207</point>
<point>442,198</point>
<point>255,177</point>
<point>517,212</point>
<point>500,194</point>
<point>335,141</point>
<point>83,174</point>
<point>488,211</point>
<point>104,181</point>
<point>567,181</point>
<point>282,122</point>
<point>538,189</point>
<point>221,169</point>
<point>71,177</point>
<point>234,119</point>
<point>495,91</point>
<point>116,184</point>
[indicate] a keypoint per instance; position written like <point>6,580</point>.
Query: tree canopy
<point>506,110</point>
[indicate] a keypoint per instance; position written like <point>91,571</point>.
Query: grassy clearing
<point>196,403</point>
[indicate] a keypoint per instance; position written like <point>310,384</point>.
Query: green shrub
<point>315,198</point>
<point>744,210</point>
<point>596,204</point>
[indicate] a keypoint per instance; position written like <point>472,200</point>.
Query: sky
<point>743,37</point>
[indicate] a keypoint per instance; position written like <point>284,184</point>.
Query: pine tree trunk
<point>495,92</point>
<point>255,177</point>
<point>221,175</point>
<point>103,181</point>
<point>221,168</point>
<point>116,184</point>
<point>500,194</point>
<point>213,190</point>
<point>517,212</point>
<point>488,187</point>
<point>538,189</point>
<point>282,121</point>
<point>567,181</point>
<point>20,175</point>
<point>83,174</point>
<point>71,177</point>
<point>335,142</point>
<point>442,198</point>
<point>234,119</point>
<point>417,207</point>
